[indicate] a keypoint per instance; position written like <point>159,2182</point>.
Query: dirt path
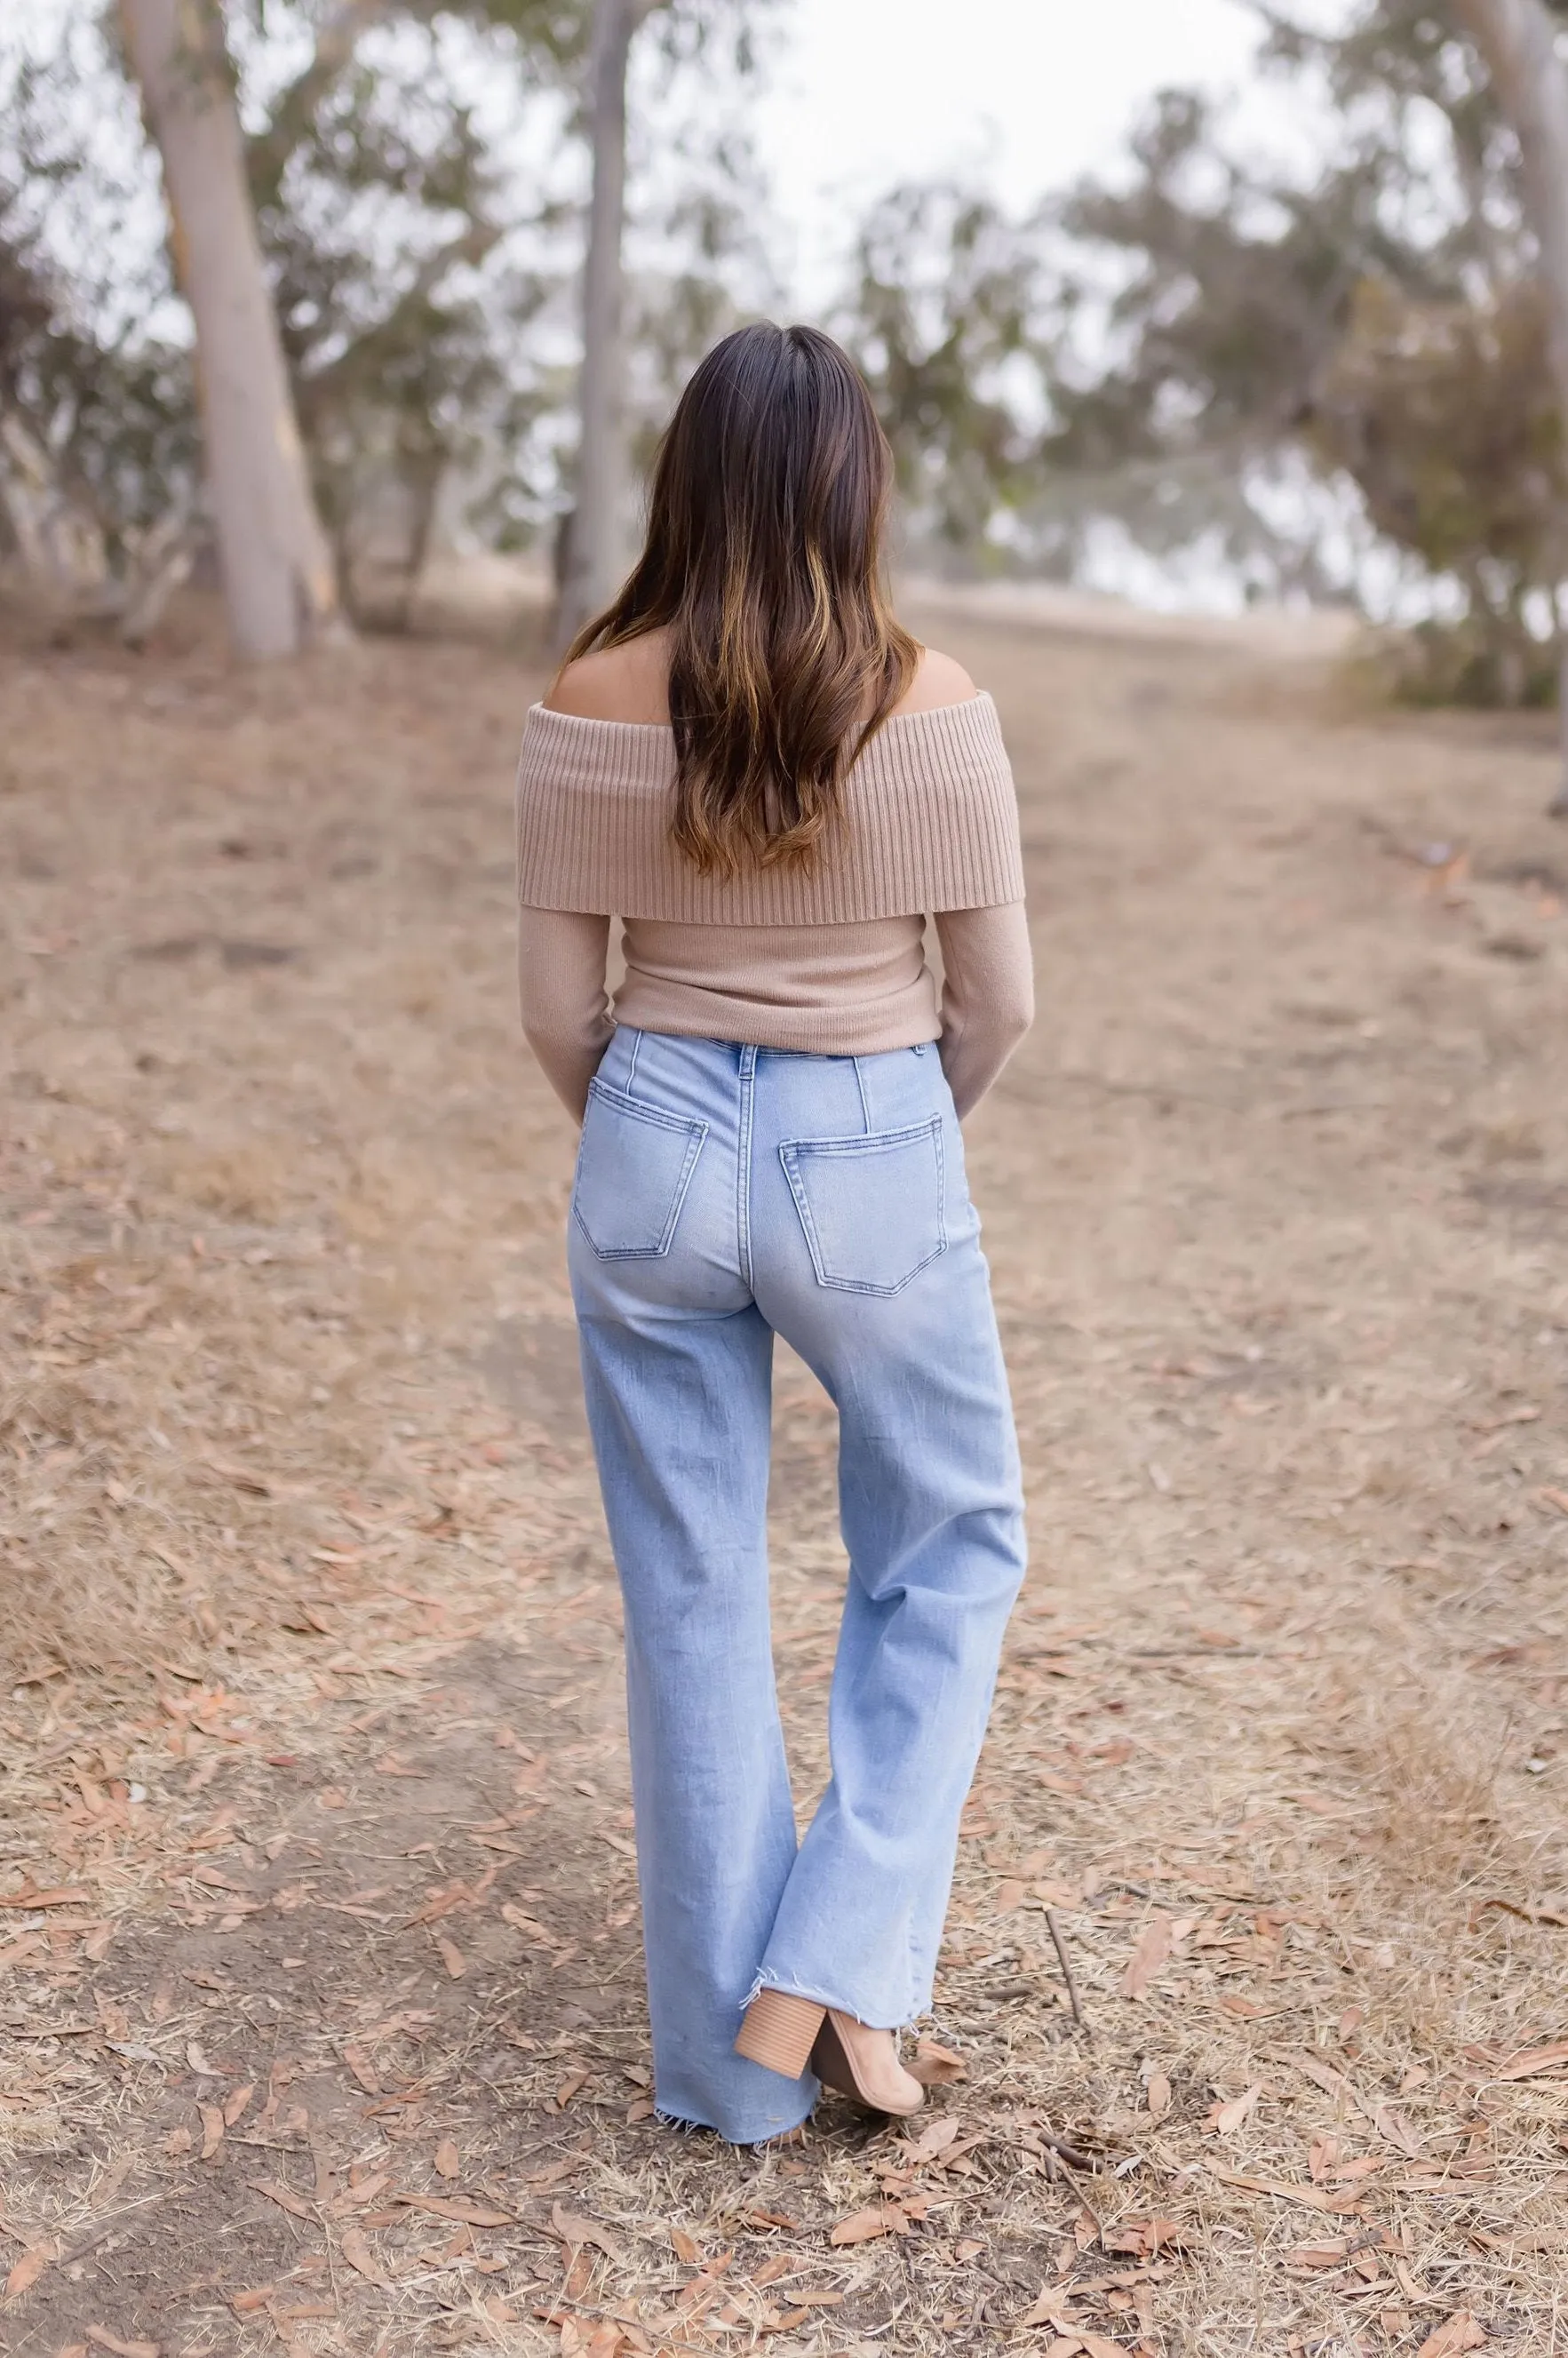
<point>318,1977</point>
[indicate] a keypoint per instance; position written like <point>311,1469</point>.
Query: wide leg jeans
<point>725,1194</point>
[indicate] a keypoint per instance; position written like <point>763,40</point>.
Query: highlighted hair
<point>763,560</point>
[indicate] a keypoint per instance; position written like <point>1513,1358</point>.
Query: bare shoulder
<point>939,680</point>
<point>625,683</point>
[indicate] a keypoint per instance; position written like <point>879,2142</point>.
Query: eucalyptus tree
<point>278,579</point>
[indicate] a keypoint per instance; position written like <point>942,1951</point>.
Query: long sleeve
<point>987,995</point>
<point>560,987</point>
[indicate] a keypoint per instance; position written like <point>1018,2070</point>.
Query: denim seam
<point>865,1101</point>
<point>743,1162</point>
<point>636,1052</point>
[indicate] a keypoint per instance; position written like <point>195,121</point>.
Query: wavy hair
<point>763,560</point>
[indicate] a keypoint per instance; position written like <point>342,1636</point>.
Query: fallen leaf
<point>934,2139</point>
<point>107,2341</point>
<point>451,1957</point>
<point>448,2206</point>
<point>1158,2096</point>
<point>865,2226</point>
<point>357,2194</point>
<point>570,2087</point>
<point>1009,1896</point>
<point>1226,2119</point>
<point>1153,1950</point>
<point>1059,1895</point>
<point>1339,2204</point>
<point>446,2159</point>
<point>573,2228</point>
<point>25,2274</point>
<point>235,2106</point>
<point>257,2297</point>
<point>361,2259</point>
<point>283,2196</point>
<point>1050,2308</point>
<point>73,1896</point>
<point>212,2130</point>
<point>1319,2255</point>
<point>196,2058</point>
<point>1529,2063</point>
<point>685,2246</point>
<point>1383,2118</point>
<point>1457,2332</point>
<point>363,2069</point>
<point>935,2066</point>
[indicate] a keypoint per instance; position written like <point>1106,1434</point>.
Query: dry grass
<point>314,1697</point>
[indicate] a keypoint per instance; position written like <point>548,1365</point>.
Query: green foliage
<point>947,315</point>
<point>96,397</point>
<point>1445,416</point>
<point>415,189</point>
<point>1369,321</point>
<point>385,221</point>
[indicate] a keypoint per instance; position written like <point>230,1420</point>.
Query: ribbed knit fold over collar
<point>931,823</point>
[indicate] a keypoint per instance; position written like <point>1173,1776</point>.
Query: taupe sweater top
<point>827,962</point>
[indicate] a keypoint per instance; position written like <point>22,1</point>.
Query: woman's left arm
<point>987,995</point>
<point>560,987</point>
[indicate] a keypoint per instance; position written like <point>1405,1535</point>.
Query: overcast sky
<point>1021,94</point>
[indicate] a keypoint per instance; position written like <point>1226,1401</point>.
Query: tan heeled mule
<point>785,2033</point>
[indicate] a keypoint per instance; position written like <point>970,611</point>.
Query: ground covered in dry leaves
<point>319,1987</point>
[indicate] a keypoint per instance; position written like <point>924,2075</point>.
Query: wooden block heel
<point>779,2032</point>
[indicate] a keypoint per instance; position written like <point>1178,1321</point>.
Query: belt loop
<point>636,1051</point>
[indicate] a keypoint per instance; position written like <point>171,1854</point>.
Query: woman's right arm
<point>561,988</point>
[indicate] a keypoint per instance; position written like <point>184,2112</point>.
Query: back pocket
<point>634,1168</point>
<point>872,1208</point>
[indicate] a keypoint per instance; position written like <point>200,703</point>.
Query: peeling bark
<point>279,577</point>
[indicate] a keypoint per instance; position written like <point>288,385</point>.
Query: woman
<point>749,763</point>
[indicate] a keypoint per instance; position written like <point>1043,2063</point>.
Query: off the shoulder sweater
<point>831,962</point>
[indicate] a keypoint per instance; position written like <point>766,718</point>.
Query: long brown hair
<point>763,560</point>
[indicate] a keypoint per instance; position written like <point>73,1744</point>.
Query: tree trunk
<point>1518,39</point>
<point>277,568</point>
<point>594,552</point>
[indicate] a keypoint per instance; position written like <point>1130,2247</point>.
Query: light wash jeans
<point>725,1195</point>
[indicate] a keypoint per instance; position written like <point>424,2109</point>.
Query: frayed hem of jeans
<point>684,2127</point>
<point>817,1997</point>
